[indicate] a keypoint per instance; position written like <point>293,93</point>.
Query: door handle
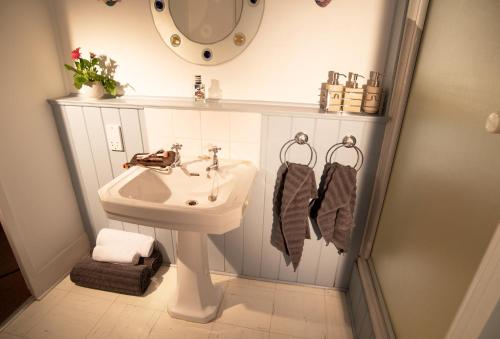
<point>493,123</point>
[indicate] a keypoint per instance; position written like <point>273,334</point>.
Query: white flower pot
<point>93,90</point>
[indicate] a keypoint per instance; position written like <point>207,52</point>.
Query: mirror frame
<point>222,51</point>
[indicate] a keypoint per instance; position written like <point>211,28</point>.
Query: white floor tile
<point>282,336</point>
<point>299,314</point>
<point>125,321</point>
<point>216,278</point>
<point>67,285</point>
<point>338,318</point>
<point>299,289</point>
<point>251,309</point>
<point>73,317</point>
<point>243,282</point>
<point>34,313</point>
<point>247,306</point>
<point>167,327</point>
<point>224,331</point>
<point>157,295</point>
<point>4,335</point>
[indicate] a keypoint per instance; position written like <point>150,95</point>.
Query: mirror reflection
<point>206,21</point>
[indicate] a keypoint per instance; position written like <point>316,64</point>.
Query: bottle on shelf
<point>373,93</point>
<point>199,89</point>
<point>332,93</point>
<point>353,95</point>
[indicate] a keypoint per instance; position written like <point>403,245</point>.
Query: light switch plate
<point>115,140</point>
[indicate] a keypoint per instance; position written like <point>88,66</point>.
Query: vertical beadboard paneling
<point>253,221</point>
<point>215,246</point>
<point>327,134</point>
<point>82,151</point>
<point>98,144</point>
<point>131,129</point>
<point>233,250</point>
<point>165,242</point>
<point>111,116</point>
<point>99,147</point>
<point>278,131</point>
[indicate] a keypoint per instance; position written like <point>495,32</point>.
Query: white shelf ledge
<point>262,107</point>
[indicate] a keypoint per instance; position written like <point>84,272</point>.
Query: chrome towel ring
<point>300,139</point>
<point>349,141</point>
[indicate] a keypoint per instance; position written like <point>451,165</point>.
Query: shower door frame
<point>406,60</point>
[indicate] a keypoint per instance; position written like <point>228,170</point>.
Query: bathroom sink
<point>195,203</point>
<point>184,199</point>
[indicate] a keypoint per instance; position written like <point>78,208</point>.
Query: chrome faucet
<point>177,159</point>
<point>215,159</point>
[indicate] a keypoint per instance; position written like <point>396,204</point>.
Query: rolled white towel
<point>115,255</point>
<point>142,244</point>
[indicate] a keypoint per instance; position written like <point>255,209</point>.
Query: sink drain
<point>192,202</point>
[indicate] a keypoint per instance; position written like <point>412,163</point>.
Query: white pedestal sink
<point>179,200</point>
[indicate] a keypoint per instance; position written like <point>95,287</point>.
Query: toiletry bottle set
<point>335,97</point>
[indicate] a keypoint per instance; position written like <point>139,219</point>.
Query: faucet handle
<point>176,147</point>
<point>214,149</point>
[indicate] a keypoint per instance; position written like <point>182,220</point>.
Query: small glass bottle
<point>199,89</point>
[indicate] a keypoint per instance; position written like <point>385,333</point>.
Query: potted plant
<point>92,76</point>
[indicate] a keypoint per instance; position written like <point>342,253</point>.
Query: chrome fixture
<point>300,139</point>
<point>349,141</point>
<point>215,159</point>
<point>177,160</point>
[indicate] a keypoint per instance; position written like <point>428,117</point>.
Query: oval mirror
<point>207,32</point>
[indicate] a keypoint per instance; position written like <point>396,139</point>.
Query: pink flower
<point>92,55</point>
<point>75,54</point>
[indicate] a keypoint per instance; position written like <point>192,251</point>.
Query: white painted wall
<point>297,44</point>
<point>39,210</point>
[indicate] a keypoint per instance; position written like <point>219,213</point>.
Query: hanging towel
<point>277,237</point>
<point>142,244</point>
<point>115,254</point>
<point>293,191</point>
<point>332,214</point>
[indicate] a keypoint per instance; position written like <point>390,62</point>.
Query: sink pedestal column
<point>196,298</point>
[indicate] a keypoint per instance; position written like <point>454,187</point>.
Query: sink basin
<point>179,200</point>
<point>193,202</point>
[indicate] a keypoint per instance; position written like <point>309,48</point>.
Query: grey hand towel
<point>332,213</point>
<point>277,237</point>
<point>295,186</point>
<point>316,203</point>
